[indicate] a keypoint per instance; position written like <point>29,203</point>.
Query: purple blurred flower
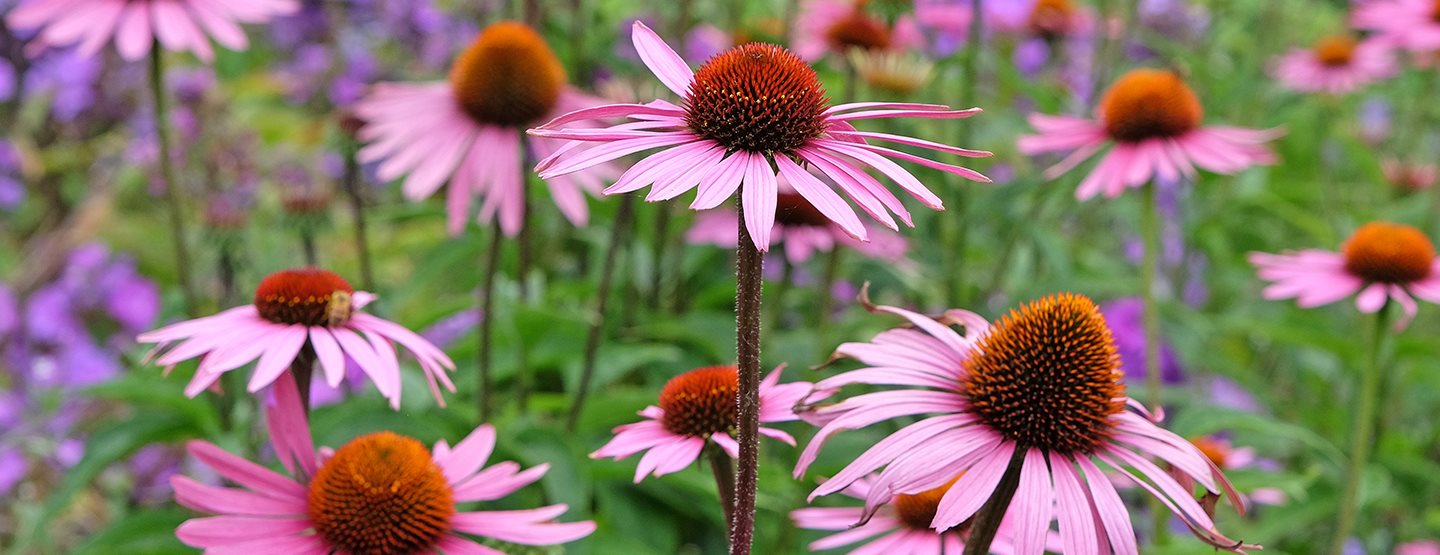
<point>451,328</point>
<point>704,41</point>
<point>12,468</point>
<point>1227,393</point>
<point>1375,116</point>
<point>1126,320</point>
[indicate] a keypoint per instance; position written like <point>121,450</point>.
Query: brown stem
<point>748,267</point>
<point>602,298</point>
<point>303,367</point>
<point>662,241</point>
<point>987,522</point>
<point>487,303</point>
<point>724,471</point>
<point>307,244</point>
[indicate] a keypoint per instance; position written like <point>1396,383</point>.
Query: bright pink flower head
<point>836,26</point>
<point>180,25</point>
<point>747,112</point>
<point>698,407</point>
<point>901,526</point>
<point>467,130</point>
<point>1419,547</point>
<point>1044,382</point>
<point>1335,65</point>
<point>1153,120</point>
<point>800,229</point>
<point>1382,262</point>
<point>1410,24</point>
<point>379,493</point>
<point>306,312</point>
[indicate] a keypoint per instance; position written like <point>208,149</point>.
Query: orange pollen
<point>858,30</point>
<point>758,98</point>
<point>381,494</point>
<point>508,76</point>
<point>1335,51</point>
<point>1435,12</point>
<point>307,296</point>
<point>1047,375</point>
<point>700,402</point>
<point>1051,18</point>
<point>1213,449</point>
<point>1389,253</point>
<point>917,510</point>
<point>1149,103</point>
<point>791,209</point>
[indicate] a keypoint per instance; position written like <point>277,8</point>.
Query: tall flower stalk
<point>1362,430</point>
<point>623,216</point>
<point>749,114</point>
<point>174,203</point>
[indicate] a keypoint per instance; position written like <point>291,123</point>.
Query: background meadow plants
<point>264,150</point>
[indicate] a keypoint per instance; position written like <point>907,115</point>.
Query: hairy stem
<point>619,229</point>
<point>748,266</point>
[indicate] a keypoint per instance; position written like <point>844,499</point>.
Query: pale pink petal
<point>668,66</point>
<point>758,197</point>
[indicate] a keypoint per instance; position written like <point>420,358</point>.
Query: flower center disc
<point>917,510</point>
<point>1047,375</point>
<point>857,30</point>
<point>307,296</point>
<point>1149,103</point>
<point>1335,51</point>
<point>791,209</point>
<point>1389,253</point>
<point>758,98</point>
<point>508,76</point>
<point>700,402</point>
<point>1050,18</point>
<point>381,494</point>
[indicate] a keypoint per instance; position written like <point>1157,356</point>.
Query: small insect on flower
<point>306,310</point>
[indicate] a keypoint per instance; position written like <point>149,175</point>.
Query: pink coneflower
<point>380,493</point>
<point>901,526</point>
<point>1228,457</point>
<point>1153,119</point>
<point>838,26</point>
<point>179,25</point>
<point>695,408</point>
<point>1380,263</point>
<point>1057,19</point>
<point>1410,24</point>
<point>1409,178</point>
<point>1041,389</point>
<point>467,130</point>
<point>301,315</point>
<point>801,230</point>
<point>747,108</point>
<point>1335,65</point>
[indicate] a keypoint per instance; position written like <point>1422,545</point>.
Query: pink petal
<point>668,66</point>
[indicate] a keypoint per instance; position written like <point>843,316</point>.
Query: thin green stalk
<point>827,293</point>
<point>350,181</point>
<point>1149,271</point>
<point>1362,432</point>
<point>724,471</point>
<point>173,201</point>
<point>782,290</point>
<point>623,216</point>
<point>487,317</point>
<point>956,226</point>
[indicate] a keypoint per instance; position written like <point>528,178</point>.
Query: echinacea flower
<point>304,313</point>
<point>1042,387</point>
<point>901,526</point>
<point>1335,65</point>
<point>1153,120</point>
<point>467,130</point>
<point>748,108</point>
<point>800,229</point>
<point>181,25</point>
<point>1053,20</point>
<point>1419,547</point>
<point>380,493</point>
<point>1227,456</point>
<point>1410,24</point>
<point>1380,263</point>
<point>696,408</point>
<point>900,73</point>
<point>1409,178</point>
<point>839,26</point>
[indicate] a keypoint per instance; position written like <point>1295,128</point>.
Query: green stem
<point>487,318</point>
<point>724,471</point>
<point>167,173</point>
<point>350,180</point>
<point>1361,433</point>
<point>782,290</point>
<point>623,216</point>
<point>1149,271</point>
